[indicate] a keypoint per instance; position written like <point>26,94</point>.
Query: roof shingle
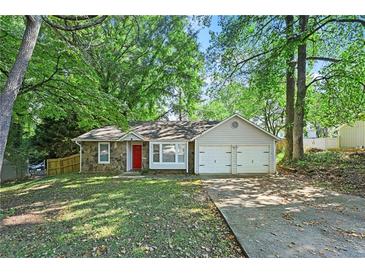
<point>160,130</point>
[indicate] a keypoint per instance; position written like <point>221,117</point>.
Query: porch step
<point>132,173</point>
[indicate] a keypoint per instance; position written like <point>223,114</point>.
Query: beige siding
<point>352,136</point>
<point>244,134</point>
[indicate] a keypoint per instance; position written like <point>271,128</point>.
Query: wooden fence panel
<point>63,165</point>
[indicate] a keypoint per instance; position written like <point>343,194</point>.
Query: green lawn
<point>106,216</point>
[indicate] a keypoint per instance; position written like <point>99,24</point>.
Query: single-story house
<point>232,146</point>
<point>352,136</point>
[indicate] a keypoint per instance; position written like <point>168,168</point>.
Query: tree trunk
<point>15,79</point>
<point>298,151</point>
<point>290,89</point>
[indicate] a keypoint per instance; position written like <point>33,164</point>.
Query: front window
<point>168,153</point>
<point>104,153</point>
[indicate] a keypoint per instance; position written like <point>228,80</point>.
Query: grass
<point>106,216</point>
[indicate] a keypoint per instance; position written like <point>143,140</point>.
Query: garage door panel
<point>253,159</point>
<point>215,159</point>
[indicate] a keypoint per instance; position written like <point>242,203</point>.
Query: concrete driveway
<point>277,216</point>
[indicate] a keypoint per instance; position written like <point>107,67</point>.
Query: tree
<point>249,44</point>
<point>16,75</point>
<point>52,138</point>
<point>15,79</point>
<point>145,62</point>
<point>128,68</point>
<point>290,87</point>
<point>298,126</point>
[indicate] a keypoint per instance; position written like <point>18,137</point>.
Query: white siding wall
<point>244,134</point>
<point>321,143</point>
<point>352,136</point>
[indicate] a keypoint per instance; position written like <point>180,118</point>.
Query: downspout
<point>80,154</point>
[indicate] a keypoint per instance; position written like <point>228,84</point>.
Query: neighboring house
<point>352,136</point>
<point>232,146</point>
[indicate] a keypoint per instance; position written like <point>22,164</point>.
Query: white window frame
<point>179,154</point>
<point>103,143</point>
<point>159,153</point>
<point>176,144</point>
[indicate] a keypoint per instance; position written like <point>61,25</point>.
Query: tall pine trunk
<point>290,88</point>
<point>15,79</point>
<point>298,151</point>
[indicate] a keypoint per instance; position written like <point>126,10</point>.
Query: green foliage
<point>128,68</point>
<point>324,158</point>
<point>52,138</point>
<point>145,62</point>
<point>340,97</point>
<point>252,52</point>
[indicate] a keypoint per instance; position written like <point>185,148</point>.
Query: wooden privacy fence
<point>63,165</point>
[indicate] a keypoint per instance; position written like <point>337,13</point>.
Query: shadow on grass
<point>98,215</point>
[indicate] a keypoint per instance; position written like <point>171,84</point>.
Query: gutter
<point>80,154</point>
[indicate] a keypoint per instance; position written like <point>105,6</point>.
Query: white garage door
<point>253,159</point>
<point>215,159</point>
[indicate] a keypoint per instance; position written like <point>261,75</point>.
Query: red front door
<point>137,156</point>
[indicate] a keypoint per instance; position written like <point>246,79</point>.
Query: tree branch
<point>93,23</point>
<point>28,88</point>
<point>75,17</point>
<point>334,20</point>
<point>319,58</point>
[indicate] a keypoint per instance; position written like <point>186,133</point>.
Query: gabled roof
<point>132,135</point>
<point>160,130</point>
<point>242,118</point>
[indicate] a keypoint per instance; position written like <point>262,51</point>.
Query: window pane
<point>181,153</point>
<point>156,153</point>
<point>180,148</point>
<point>156,148</point>
<point>168,153</point>
<point>181,158</point>
<point>104,156</point>
<point>156,157</point>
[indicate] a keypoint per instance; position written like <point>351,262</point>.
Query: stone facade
<point>118,155</point>
<point>118,158</point>
<point>145,155</point>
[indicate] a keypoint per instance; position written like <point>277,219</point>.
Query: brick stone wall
<point>118,158</point>
<point>191,152</point>
<point>145,155</point>
<point>118,154</point>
